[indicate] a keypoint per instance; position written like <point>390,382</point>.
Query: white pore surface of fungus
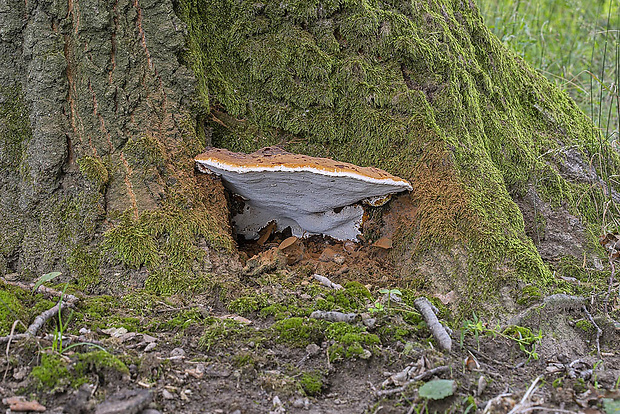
<point>308,194</point>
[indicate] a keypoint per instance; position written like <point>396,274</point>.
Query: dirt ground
<point>267,351</point>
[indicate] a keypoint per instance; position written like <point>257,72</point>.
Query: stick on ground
<point>67,301</point>
<point>439,332</point>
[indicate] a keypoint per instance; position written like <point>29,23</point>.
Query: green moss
<point>247,304</point>
<point>311,383</point>
<point>19,304</point>
<point>182,320</point>
<point>165,242</point>
<point>56,373</point>
<point>146,152</point>
<point>93,169</point>
<point>391,333</point>
<point>219,333</point>
<point>11,309</point>
<point>297,331</point>
<point>52,372</point>
<point>348,334</point>
<point>585,326</point>
<point>529,294</point>
<point>85,265</point>
<point>99,362</point>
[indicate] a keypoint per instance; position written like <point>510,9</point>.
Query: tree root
<point>439,332</point>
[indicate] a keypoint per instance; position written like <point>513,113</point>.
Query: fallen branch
<point>421,377</point>
<point>66,301</point>
<point>41,289</point>
<point>439,332</point>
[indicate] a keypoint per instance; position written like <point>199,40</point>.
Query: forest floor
<point>263,352</point>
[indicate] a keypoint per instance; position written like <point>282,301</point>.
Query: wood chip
<point>288,242</point>
<point>20,405</point>
<point>265,233</point>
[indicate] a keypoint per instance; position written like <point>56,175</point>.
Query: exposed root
<point>8,347</point>
<point>423,376</point>
<point>439,332</point>
<point>599,331</point>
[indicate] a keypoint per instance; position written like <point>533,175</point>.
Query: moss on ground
<point>56,373</point>
<point>311,383</point>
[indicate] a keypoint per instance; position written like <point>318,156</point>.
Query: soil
<point>205,354</point>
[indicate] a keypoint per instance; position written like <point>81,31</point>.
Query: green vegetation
<point>17,304</point>
<point>574,43</point>
<point>522,336</point>
<point>57,373</point>
<point>311,383</point>
<point>94,170</point>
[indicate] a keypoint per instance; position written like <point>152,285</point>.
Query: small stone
<point>327,255</point>
<point>313,349</point>
<point>366,354</point>
<point>298,403</point>
<point>19,404</point>
<point>370,322</point>
<point>149,347</point>
<point>125,401</point>
<point>127,336</point>
<point>84,331</point>
<point>21,373</point>
<point>148,338</point>
<point>115,332</point>
<point>305,296</point>
<point>167,395</point>
<point>339,259</point>
<point>177,352</point>
<point>150,411</point>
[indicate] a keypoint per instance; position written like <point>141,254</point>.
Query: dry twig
<point>439,332</point>
<point>599,332</point>
<point>66,301</point>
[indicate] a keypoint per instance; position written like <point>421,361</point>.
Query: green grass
<point>574,43</point>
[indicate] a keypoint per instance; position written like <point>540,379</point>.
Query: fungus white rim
<point>283,168</point>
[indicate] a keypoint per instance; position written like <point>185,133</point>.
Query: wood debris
<point>437,329</point>
<point>326,282</point>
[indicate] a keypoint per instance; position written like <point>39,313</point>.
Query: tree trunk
<point>100,121</point>
<point>97,133</point>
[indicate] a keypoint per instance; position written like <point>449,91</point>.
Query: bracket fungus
<point>308,194</point>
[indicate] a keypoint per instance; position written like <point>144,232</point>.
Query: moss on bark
<point>420,89</point>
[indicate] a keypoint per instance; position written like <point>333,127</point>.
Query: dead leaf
<point>447,298</point>
<point>384,243</point>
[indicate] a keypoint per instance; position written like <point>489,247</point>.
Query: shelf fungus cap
<point>308,194</point>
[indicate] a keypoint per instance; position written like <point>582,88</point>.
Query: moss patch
<point>57,373</point>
